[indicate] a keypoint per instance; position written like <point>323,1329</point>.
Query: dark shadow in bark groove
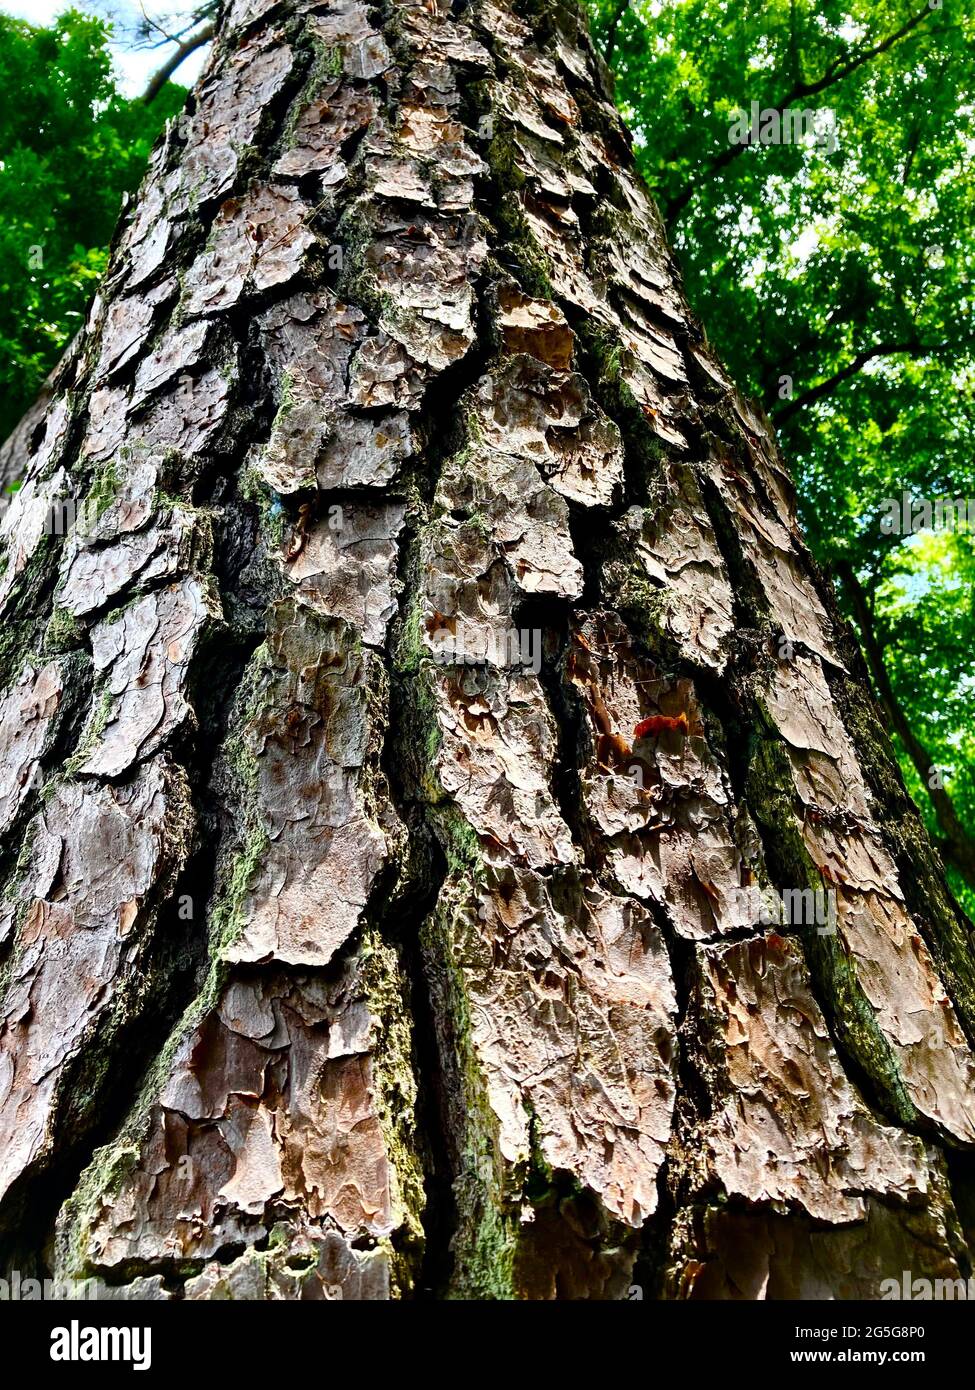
<point>407,910</point>
<point>414,898</point>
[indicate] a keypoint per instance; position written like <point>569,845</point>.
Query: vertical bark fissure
<point>425,870</point>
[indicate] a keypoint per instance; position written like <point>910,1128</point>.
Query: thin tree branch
<point>824,388</point>
<point>190,45</point>
<point>676,206</point>
<point>164,35</point>
<point>611,29</point>
<point>829,79</point>
<point>840,313</point>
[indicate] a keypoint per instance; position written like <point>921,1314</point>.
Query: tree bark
<point>391,765</point>
<point>175,60</point>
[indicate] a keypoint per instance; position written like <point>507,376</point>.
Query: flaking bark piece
<point>144,656</point>
<point>400,179</point>
<point>41,433</point>
<point>851,855</point>
<point>527,520</point>
<point>313,742</point>
<point>310,341</point>
<point>25,522</point>
<point>536,327</point>
<point>314,1266</point>
<point>364,52</point>
<point>890,963</point>
<point>127,326</point>
<point>384,375</point>
<point>786,1125</point>
<point>645,278</point>
<point>530,410</point>
<point>160,551</point>
<point>268,1105</point>
<point>425,270</point>
<point>326,127</point>
<point>898,977</point>
<point>825,768</point>
<point>258,241</point>
<point>468,598</point>
<point>364,452</point>
<point>348,570</point>
<point>629,306</point>
<point>496,752</point>
<point>133,537</point>
<point>659,806</point>
<point>447,44</point>
<point>150,234</point>
<point>549,171</point>
<point>107,423</point>
<point>673,545</point>
<point>27,714</point>
<point>177,350</point>
<point>431,133</point>
<point>243,13</point>
<point>186,417</point>
<point>572,1018</point>
<point>650,345</point>
<point>782,571</point>
<point>100,858</point>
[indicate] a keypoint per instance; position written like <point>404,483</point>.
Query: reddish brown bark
<point>392,770</point>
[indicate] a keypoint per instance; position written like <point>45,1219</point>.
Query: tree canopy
<point>70,146</point>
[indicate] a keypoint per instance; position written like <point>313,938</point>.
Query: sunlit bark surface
<point>393,765</point>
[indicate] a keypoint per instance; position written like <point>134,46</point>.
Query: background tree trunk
<point>356,943</point>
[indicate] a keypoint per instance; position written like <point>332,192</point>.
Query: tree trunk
<point>419,768</point>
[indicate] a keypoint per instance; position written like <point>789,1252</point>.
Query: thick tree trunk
<point>389,771</point>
